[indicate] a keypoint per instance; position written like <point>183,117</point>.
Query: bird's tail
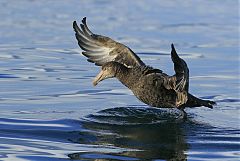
<point>197,102</point>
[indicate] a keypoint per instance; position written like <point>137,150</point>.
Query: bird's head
<point>109,70</point>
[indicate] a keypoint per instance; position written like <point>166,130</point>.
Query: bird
<point>150,85</point>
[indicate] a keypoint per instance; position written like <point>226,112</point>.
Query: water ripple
<point>133,116</point>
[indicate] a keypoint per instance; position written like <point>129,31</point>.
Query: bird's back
<point>150,87</point>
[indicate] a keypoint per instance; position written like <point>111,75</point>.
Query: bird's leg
<point>183,113</point>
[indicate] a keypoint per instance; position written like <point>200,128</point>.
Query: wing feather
<point>181,70</point>
<point>100,49</point>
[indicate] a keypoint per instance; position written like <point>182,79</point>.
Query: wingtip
<point>82,26</point>
<point>172,46</point>
<point>74,23</point>
<point>173,52</point>
<point>84,20</point>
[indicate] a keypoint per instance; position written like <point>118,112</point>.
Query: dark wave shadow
<point>145,133</point>
<point>7,76</point>
<point>151,134</point>
<point>122,133</point>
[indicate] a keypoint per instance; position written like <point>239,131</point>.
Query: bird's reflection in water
<point>153,133</point>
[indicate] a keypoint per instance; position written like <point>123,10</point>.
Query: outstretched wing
<point>181,70</point>
<point>100,49</point>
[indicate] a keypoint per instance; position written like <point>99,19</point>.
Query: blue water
<point>50,110</point>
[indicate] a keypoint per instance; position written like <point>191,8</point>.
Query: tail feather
<point>197,102</point>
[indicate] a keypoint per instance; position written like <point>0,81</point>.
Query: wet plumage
<point>150,85</point>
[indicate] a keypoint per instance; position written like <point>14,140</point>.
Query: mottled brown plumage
<point>148,84</point>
